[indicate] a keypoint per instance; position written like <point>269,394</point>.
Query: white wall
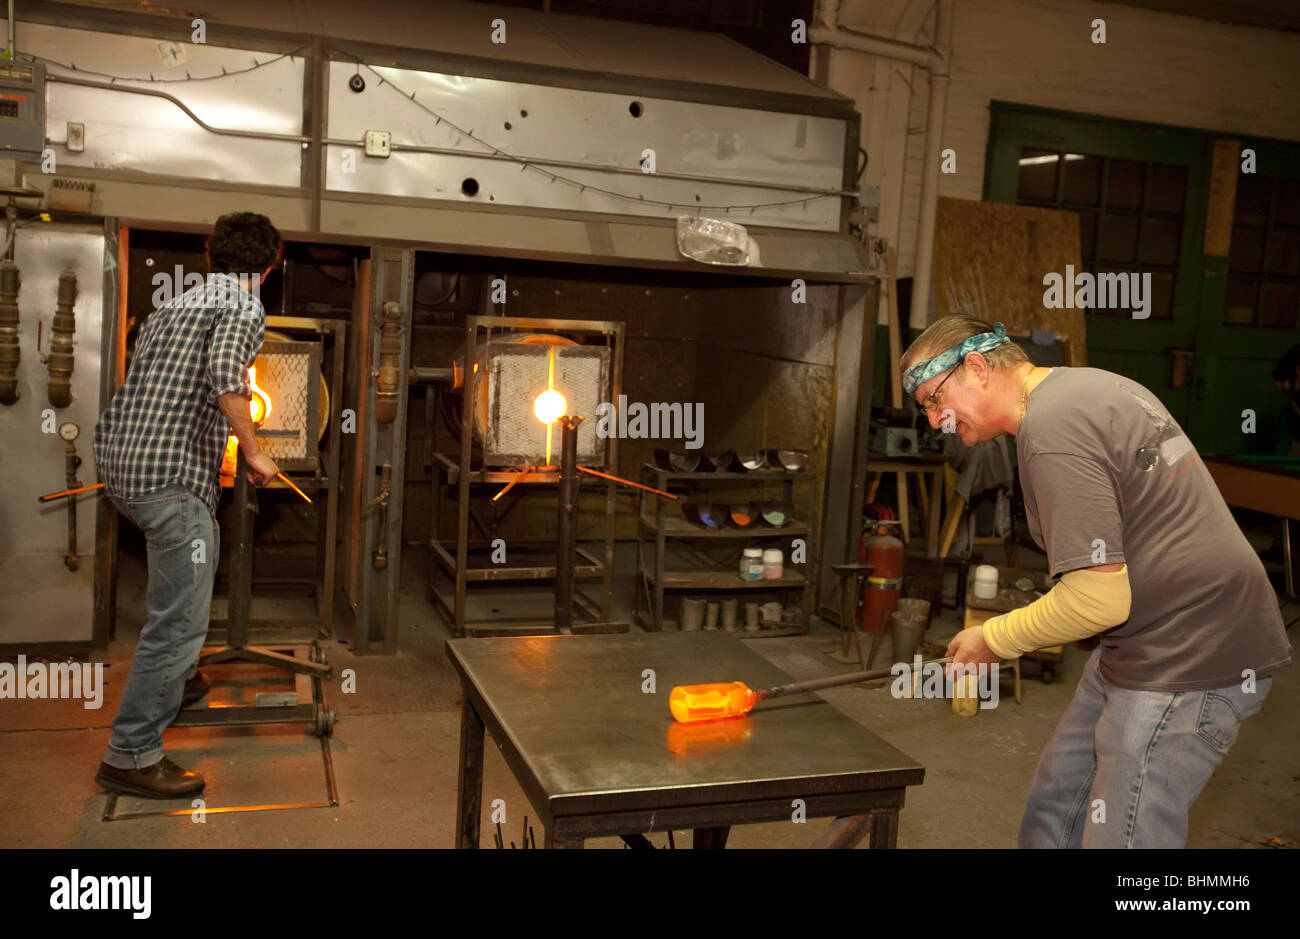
<point>1156,67</point>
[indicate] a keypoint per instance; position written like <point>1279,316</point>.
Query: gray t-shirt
<point>1109,477</point>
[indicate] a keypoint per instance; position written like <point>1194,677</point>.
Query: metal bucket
<point>692,613</point>
<point>906,630</point>
<point>915,606</point>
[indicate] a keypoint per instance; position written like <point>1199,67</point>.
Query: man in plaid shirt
<point>159,447</point>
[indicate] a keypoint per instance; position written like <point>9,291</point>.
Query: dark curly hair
<point>243,243</point>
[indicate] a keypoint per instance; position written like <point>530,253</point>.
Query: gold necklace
<point>1024,392</point>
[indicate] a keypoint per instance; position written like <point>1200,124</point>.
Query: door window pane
<point>1287,210</point>
<point>1162,296</point>
<point>1037,175</point>
<point>1284,252</point>
<point>1118,300</point>
<point>1279,305</point>
<point>1124,187</point>
<point>1253,194</point>
<point>1247,251</point>
<point>1118,238</point>
<point>1168,188</point>
<point>1159,241</point>
<point>1082,180</point>
<point>1243,296</point>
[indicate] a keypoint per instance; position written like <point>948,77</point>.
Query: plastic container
<point>773,564</point>
<point>986,582</point>
<point>751,564</point>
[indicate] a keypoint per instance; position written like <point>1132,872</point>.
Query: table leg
<point>884,828</point>
<point>469,802</point>
<point>712,838</point>
<point>903,518</point>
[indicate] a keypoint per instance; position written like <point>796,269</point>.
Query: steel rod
<point>851,678</point>
<point>627,482</point>
<point>566,521</point>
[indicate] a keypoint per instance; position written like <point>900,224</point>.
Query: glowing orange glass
<point>260,405</point>
<point>691,703</point>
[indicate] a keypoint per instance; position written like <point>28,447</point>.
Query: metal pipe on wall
<point>59,360</point>
<point>390,364</point>
<point>923,262</point>
<point>936,60</point>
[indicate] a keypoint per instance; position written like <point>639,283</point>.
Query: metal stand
<point>458,476</point>
<point>565,525</point>
<point>854,575</point>
<point>237,648</point>
<point>655,528</point>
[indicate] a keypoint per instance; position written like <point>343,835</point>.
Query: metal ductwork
<point>59,360</point>
<point>390,364</point>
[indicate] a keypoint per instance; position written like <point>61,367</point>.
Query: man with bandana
<point>1145,556</point>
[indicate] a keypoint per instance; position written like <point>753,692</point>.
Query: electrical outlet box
<point>379,143</point>
<point>22,110</point>
<point>76,137</point>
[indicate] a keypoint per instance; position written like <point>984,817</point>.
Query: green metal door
<point>1215,325</point>
<point>1249,303</point>
<point>1134,189</point>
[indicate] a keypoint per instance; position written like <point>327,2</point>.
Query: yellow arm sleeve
<point>1082,604</point>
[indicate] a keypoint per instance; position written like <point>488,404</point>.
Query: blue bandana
<point>922,372</point>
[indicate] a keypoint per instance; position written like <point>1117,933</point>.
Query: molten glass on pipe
<point>710,702</point>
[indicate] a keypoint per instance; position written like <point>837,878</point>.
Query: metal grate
<point>517,374</point>
<point>287,372</point>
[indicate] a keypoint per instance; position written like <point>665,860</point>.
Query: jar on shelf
<point>773,564</point>
<point>751,564</point>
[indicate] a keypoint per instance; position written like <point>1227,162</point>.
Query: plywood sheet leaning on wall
<point>990,260</point>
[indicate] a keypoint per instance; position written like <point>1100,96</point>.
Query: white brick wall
<point>1156,67</point>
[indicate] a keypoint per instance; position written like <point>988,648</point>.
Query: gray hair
<point>948,331</point>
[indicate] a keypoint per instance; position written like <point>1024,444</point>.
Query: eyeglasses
<point>932,399</point>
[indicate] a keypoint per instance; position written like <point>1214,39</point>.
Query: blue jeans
<point>1123,767</point>
<point>183,542</point>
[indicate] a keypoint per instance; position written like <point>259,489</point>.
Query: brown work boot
<point>163,780</point>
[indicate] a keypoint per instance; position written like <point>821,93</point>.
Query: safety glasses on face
<point>931,401</point>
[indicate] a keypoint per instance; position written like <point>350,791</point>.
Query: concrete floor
<point>395,756</point>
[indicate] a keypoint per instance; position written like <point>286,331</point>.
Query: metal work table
<point>597,757</point>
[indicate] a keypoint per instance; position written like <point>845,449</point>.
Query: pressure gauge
<point>69,431</point>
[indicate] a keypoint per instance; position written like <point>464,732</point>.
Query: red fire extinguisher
<point>882,589</point>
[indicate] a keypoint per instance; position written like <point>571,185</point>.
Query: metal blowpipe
<point>691,703</point>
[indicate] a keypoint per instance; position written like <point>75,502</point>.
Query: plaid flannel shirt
<point>164,424</point>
